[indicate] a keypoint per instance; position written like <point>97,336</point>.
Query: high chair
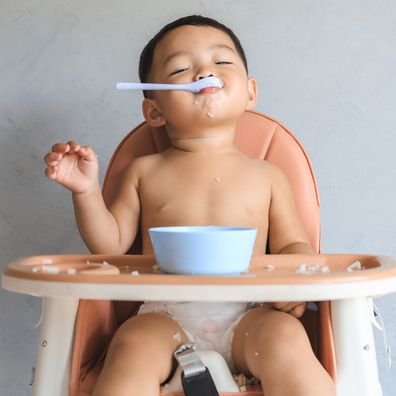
<point>85,297</point>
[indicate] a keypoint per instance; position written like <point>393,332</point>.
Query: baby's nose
<point>204,75</point>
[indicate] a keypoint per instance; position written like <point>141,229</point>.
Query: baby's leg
<point>273,346</point>
<point>140,356</point>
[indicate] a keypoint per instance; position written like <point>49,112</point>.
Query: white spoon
<point>195,87</point>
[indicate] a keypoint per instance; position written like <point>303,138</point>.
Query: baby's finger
<point>52,158</point>
<point>298,311</point>
<point>74,147</point>
<point>87,153</point>
<point>288,307</point>
<point>51,171</point>
<point>61,148</point>
<point>280,305</point>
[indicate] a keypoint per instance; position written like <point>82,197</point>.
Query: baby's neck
<point>210,144</point>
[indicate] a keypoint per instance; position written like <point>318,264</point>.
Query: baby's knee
<point>282,333</point>
<point>150,332</point>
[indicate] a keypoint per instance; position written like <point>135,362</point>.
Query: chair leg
<point>357,372</point>
<point>54,347</point>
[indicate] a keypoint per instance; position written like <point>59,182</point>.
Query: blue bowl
<point>203,250</point>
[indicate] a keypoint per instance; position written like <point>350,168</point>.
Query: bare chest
<point>212,196</point>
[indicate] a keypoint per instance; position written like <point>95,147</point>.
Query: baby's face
<point>189,53</point>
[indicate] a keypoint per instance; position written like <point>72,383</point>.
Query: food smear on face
<point>212,86</point>
<point>211,105</point>
<point>208,96</point>
<point>198,99</point>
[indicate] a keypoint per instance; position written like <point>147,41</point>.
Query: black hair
<point>147,55</point>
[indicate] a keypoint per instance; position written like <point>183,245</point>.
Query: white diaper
<point>210,325</point>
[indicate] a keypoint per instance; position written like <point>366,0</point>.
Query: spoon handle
<point>149,86</point>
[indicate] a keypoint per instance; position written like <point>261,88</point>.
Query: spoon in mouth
<point>194,87</point>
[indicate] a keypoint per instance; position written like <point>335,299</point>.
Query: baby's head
<point>186,50</point>
<point>147,55</point>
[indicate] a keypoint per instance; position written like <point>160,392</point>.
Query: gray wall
<point>326,69</point>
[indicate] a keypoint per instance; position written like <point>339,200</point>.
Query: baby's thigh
<point>147,338</point>
<point>267,334</point>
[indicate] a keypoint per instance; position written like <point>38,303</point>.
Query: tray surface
<point>142,269</point>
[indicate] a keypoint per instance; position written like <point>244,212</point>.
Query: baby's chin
<point>209,103</point>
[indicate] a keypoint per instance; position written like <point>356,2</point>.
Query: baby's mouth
<point>209,90</point>
<point>215,84</point>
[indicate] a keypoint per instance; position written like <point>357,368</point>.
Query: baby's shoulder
<point>141,165</point>
<point>266,167</point>
<point>272,173</point>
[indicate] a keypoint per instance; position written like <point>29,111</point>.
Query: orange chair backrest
<point>258,136</point>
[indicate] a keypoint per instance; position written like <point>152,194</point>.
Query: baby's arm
<point>287,234</point>
<point>103,230</point>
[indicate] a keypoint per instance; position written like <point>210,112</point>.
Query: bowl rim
<point>200,229</point>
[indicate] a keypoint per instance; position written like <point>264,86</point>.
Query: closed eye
<point>179,71</point>
<point>223,63</point>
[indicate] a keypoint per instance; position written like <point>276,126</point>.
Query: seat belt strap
<point>195,377</point>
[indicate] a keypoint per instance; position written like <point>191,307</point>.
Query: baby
<point>202,179</point>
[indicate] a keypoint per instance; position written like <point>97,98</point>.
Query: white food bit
<point>302,269</point>
<point>47,261</point>
<point>305,269</point>
<point>240,379</point>
<point>356,266</point>
<point>51,270</point>
<point>105,264</point>
<point>35,269</point>
<point>210,115</point>
<point>269,267</point>
<point>177,337</point>
<point>71,271</point>
<point>135,273</point>
<point>217,179</point>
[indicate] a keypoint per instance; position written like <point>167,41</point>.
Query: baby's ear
<point>152,113</point>
<point>253,93</point>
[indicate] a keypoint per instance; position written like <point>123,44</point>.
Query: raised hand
<point>73,166</point>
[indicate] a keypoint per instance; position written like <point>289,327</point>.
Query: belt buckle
<point>195,377</point>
